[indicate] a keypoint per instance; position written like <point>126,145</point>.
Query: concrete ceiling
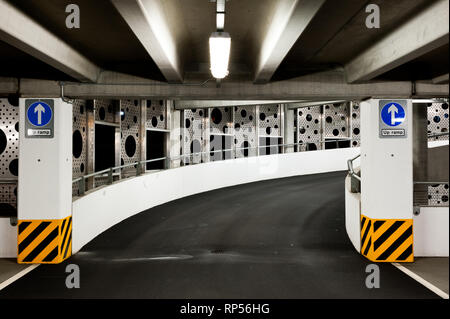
<point>21,64</point>
<point>104,37</point>
<point>338,33</point>
<point>353,37</point>
<point>244,21</point>
<point>335,35</point>
<point>427,66</point>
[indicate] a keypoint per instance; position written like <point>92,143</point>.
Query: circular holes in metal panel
<point>130,146</point>
<point>102,114</point>
<point>3,141</point>
<point>14,167</point>
<point>77,144</point>
<point>216,116</point>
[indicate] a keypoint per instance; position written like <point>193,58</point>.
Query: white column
<point>288,127</point>
<point>45,187</point>
<point>386,166</point>
<point>387,180</point>
<point>175,133</point>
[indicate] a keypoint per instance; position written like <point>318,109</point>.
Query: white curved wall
<point>107,206</point>
<point>8,242</point>
<point>431,232</point>
<point>352,215</point>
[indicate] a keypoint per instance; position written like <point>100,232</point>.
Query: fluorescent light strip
<point>219,50</point>
<point>220,20</point>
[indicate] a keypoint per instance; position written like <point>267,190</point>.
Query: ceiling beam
<point>150,24</point>
<point>441,79</point>
<point>9,85</point>
<point>325,86</point>
<point>20,31</point>
<point>423,33</point>
<point>313,103</point>
<point>290,19</point>
<point>190,104</point>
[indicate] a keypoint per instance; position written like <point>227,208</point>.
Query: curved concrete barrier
<point>104,207</point>
<point>352,215</point>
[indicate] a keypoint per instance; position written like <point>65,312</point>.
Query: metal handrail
<point>351,170</point>
<point>438,134</point>
<point>430,183</point>
<point>8,181</point>
<point>138,165</point>
<point>353,174</point>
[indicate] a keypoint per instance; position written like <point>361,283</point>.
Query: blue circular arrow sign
<point>393,114</point>
<point>39,114</point>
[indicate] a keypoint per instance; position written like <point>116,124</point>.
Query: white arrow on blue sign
<point>393,114</point>
<point>39,114</point>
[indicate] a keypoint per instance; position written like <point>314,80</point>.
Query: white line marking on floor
<point>17,276</point>
<point>419,279</point>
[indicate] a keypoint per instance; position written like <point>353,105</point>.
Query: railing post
<point>167,163</point>
<point>110,176</point>
<point>81,186</point>
<point>138,169</point>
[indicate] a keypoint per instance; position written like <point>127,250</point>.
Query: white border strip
<point>17,276</point>
<point>427,284</point>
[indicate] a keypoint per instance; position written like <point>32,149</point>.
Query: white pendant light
<point>219,44</point>
<point>219,51</point>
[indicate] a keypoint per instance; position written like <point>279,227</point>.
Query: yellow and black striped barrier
<point>44,241</point>
<point>387,240</point>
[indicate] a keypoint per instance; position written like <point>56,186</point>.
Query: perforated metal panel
<point>79,128</point>
<point>438,120</point>
<point>8,194</point>
<point>105,110</point>
<point>156,115</point>
<point>244,130</point>
<point>130,145</point>
<point>438,123</point>
<point>438,195</point>
<point>336,120</point>
<point>9,140</point>
<point>220,133</point>
<point>9,151</point>
<point>193,134</point>
<point>221,120</point>
<point>79,153</point>
<point>355,124</point>
<point>269,120</point>
<point>309,127</point>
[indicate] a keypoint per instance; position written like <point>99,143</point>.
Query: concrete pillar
<point>420,152</point>
<point>143,133</point>
<point>90,142</point>
<point>206,131</point>
<point>289,117</point>
<point>174,145</point>
<point>257,144</point>
<point>387,180</point>
<point>45,181</point>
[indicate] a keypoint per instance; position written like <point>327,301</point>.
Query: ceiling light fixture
<point>219,44</point>
<point>219,50</point>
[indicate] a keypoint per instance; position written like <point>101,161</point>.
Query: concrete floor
<point>9,268</point>
<point>433,270</point>
<point>275,239</point>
